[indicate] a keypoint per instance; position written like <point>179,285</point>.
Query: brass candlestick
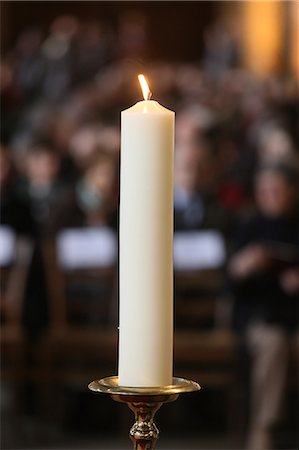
<point>144,402</point>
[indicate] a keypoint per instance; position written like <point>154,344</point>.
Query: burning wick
<point>144,87</point>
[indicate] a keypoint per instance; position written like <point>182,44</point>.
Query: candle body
<point>146,246</point>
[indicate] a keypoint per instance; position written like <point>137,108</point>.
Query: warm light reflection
<point>144,86</point>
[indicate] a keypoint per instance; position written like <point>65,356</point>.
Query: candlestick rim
<point>110,385</point>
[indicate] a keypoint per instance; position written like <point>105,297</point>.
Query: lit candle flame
<point>144,87</point>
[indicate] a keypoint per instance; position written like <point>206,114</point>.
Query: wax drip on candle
<point>144,87</point>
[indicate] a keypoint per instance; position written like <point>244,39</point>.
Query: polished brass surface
<point>110,385</point>
<point>144,402</point>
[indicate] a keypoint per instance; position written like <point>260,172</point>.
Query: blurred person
<point>10,98</point>
<point>29,67</point>
<point>32,126</point>
<point>265,275</point>
<point>41,184</point>
<point>132,36</point>
<point>40,187</point>
<point>194,169</point>
<point>232,187</point>
<point>92,49</point>
<point>88,212</point>
<point>59,131</point>
<point>92,201</point>
<point>221,48</point>
<point>58,54</point>
<point>15,211</point>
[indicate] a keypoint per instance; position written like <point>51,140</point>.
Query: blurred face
<point>186,128</point>
<point>275,197</point>
<point>194,165</point>
<point>83,144</point>
<point>186,168</point>
<point>101,178</point>
<point>42,167</point>
<point>275,145</point>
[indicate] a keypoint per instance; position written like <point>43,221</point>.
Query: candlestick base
<point>144,402</point>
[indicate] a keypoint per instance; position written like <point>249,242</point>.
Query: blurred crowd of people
<point>236,165</point>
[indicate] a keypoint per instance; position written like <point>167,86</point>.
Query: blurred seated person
<point>193,174</point>
<point>82,218</point>
<point>41,185</point>
<point>16,215</point>
<point>15,212</point>
<point>92,201</point>
<point>265,274</point>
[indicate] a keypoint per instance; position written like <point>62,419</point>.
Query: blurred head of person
<point>163,78</point>
<point>277,190</point>
<point>253,105</point>
<point>83,145</point>
<point>274,144</point>
<point>90,139</point>
<point>28,42</point>
<point>61,129</point>
<point>41,166</point>
<point>132,34</point>
<point>191,120</point>
<point>6,75</point>
<point>64,27</point>
<point>186,168</point>
<point>194,164</point>
<point>97,187</point>
<point>5,167</point>
<point>108,138</point>
<point>189,81</point>
<point>195,161</point>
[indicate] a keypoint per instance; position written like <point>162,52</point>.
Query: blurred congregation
<point>64,80</point>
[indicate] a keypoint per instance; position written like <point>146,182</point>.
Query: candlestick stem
<point>144,432</point>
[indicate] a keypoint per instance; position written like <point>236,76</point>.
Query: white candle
<point>146,243</point>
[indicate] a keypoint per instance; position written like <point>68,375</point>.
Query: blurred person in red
<point>265,274</point>
<point>92,201</point>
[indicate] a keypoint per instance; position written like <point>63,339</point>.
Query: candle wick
<point>149,95</point>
